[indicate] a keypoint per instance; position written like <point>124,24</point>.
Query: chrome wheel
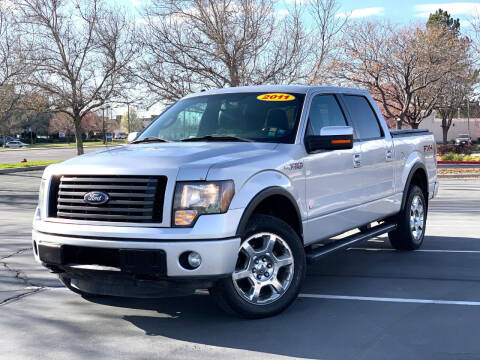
<point>264,269</point>
<point>417,218</point>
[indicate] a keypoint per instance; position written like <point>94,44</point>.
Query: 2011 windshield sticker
<point>276,97</point>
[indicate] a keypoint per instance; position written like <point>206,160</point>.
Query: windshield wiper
<point>149,139</point>
<point>216,138</point>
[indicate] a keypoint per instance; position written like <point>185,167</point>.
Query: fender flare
<point>415,167</point>
<point>258,198</point>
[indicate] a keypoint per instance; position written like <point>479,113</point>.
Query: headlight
<point>41,200</point>
<point>193,199</point>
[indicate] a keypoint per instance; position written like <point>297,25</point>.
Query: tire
<point>411,222</point>
<point>254,291</point>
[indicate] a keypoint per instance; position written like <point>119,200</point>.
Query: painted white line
<point>421,250</point>
<point>385,299</point>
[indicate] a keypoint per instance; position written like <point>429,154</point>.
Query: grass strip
<point>27,164</point>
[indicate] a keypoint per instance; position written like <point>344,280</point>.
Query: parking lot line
<point>421,250</point>
<point>385,299</point>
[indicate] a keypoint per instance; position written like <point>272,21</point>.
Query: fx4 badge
<point>294,166</point>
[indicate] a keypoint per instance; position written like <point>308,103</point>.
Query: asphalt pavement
<point>367,302</point>
<point>8,156</point>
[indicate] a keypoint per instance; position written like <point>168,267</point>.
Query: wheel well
<point>419,178</point>
<point>281,207</point>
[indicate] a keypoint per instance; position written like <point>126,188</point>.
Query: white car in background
<point>15,144</point>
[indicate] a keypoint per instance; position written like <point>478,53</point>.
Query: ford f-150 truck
<point>234,191</point>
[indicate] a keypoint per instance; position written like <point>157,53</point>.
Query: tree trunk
<point>399,124</point>
<point>445,127</point>
<point>77,121</point>
<point>445,135</point>
<point>414,125</point>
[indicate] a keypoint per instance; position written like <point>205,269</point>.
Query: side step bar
<point>317,252</point>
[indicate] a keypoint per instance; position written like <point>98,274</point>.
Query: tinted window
<point>364,117</point>
<point>324,111</point>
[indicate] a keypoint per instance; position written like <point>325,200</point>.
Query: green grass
<point>27,164</point>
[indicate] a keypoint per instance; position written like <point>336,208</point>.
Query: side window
<point>324,111</point>
<point>365,119</point>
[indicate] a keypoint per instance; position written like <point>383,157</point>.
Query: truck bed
<point>409,132</point>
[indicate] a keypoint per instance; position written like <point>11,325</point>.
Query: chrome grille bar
<point>131,198</point>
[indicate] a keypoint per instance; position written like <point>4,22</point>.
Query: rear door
<point>376,153</point>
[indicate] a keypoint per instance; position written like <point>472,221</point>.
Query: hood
<point>191,160</point>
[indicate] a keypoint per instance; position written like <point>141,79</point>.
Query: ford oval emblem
<point>96,198</point>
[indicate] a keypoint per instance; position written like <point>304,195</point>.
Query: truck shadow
<point>198,320</point>
<point>319,328</point>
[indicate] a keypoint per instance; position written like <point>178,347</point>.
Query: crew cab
<point>235,191</point>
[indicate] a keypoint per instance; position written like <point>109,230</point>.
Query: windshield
<point>262,117</point>
<point>464,136</point>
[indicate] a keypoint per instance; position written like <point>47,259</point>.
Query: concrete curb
<point>459,176</point>
<point>451,162</point>
<point>28,168</point>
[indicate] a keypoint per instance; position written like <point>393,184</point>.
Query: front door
<point>333,180</point>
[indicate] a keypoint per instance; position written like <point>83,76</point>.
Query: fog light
<point>194,259</point>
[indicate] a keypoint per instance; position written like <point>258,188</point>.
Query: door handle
<point>389,155</point>
<point>356,160</point>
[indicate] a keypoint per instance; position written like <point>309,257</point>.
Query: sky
<point>400,12</point>
<point>405,11</point>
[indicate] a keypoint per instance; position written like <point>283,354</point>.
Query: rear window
<point>366,121</point>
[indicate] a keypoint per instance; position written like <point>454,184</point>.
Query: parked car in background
<point>463,139</point>
<point>15,144</point>
<point>121,136</point>
<point>233,190</point>
<point>9,138</point>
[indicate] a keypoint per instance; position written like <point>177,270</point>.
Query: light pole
<point>128,117</point>
<point>103,126</point>
<point>108,108</point>
<point>468,116</point>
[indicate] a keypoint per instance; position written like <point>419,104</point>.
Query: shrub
<point>456,149</point>
<point>448,156</point>
<point>445,149</point>
<point>459,157</point>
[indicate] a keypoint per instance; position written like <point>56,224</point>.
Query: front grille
<point>131,198</point>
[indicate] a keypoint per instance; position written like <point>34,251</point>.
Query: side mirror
<point>132,136</point>
<point>330,138</point>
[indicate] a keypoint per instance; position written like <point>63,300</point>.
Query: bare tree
<point>325,37</point>
<point>12,69</point>
<point>402,67</point>
<point>80,51</point>
<point>195,44</point>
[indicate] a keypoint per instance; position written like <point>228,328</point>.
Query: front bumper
<point>218,256</point>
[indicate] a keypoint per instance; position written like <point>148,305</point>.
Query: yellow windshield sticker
<point>276,97</point>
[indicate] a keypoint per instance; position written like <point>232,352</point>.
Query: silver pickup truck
<point>234,191</point>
